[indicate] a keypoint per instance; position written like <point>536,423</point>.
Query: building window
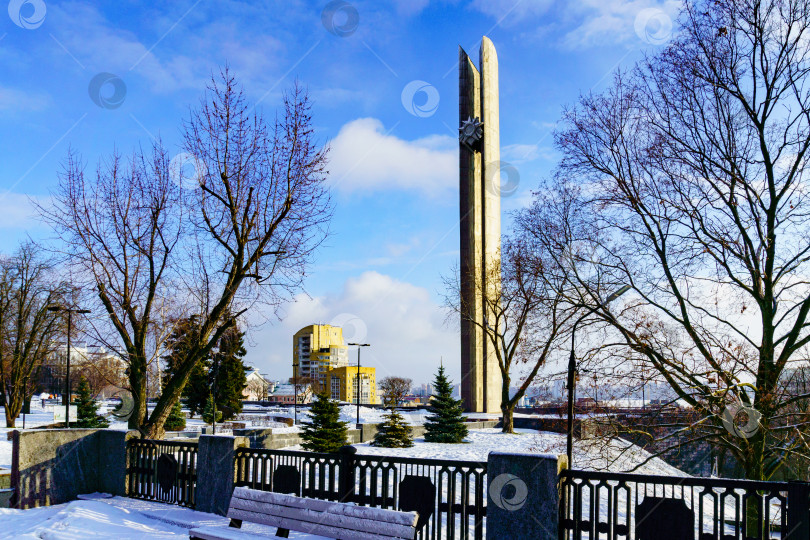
<point>335,388</point>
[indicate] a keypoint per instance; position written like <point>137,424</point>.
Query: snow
<point>117,517</point>
<point>595,454</point>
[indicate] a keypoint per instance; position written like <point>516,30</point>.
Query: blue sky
<point>384,79</point>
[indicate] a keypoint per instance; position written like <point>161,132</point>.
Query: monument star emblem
<point>471,132</point>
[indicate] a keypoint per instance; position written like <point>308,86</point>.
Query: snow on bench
<point>313,516</point>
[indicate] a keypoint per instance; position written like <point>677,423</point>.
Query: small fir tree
<point>87,408</point>
<point>221,370</point>
<point>208,412</point>
<point>176,421</point>
<point>325,432</point>
<point>197,388</point>
<point>446,423</point>
<point>393,432</point>
<point>231,375</point>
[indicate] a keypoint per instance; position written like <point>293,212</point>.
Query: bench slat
<point>306,515</point>
<point>223,533</point>
<point>408,519</point>
<point>312,528</point>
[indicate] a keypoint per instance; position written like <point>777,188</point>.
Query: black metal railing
<point>164,471</point>
<point>306,474</point>
<point>602,505</point>
<point>450,496</point>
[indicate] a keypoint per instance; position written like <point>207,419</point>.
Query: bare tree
<point>694,167</point>
<point>102,371</point>
<point>242,237</point>
<point>528,314</point>
<point>256,388</point>
<point>306,387</point>
<point>28,285</point>
<point>394,389</point>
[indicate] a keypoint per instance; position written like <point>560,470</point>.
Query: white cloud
<point>100,46</point>
<point>410,7</point>
<point>399,319</point>
<point>364,157</point>
<point>512,11</point>
<point>15,100</point>
<point>601,22</point>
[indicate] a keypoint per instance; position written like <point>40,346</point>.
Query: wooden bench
<point>313,516</point>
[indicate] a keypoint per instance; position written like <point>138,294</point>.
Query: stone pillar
<point>471,246</point>
<point>491,218</point>
<point>112,460</point>
<point>215,472</point>
<point>523,496</point>
<point>480,226</point>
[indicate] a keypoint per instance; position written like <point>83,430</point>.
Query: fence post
<point>346,478</point>
<point>215,472</point>
<point>798,511</point>
<point>523,496</point>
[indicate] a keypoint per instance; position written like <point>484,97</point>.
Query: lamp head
<point>615,294</point>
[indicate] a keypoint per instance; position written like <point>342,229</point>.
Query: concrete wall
<point>54,466</point>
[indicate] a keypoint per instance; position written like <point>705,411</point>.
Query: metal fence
<point>450,496</point>
<point>164,471</point>
<point>602,505</point>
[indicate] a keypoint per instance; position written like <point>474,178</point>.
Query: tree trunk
<point>508,410</point>
<point>137,385</point>
<point>13,408</point>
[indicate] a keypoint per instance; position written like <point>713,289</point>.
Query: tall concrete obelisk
<point>480,212</point>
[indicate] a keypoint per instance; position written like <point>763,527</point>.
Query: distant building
<point>285,393</point>
<point>317,349</point>
<point>413,401</point>
<point>104,371</point>
<point>795,381</point>
<point>343,384</point>
<point>257,387</point>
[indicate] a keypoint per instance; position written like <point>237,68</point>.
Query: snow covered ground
<point>617,456</point>
<point>116,517</point>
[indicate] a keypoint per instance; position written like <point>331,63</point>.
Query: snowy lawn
<point>116,517</point>
<point>618,456</point>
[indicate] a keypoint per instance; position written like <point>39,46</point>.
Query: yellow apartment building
<point>343,384</point>
<point>317,349</point>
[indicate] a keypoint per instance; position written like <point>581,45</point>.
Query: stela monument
<point>480,224</point>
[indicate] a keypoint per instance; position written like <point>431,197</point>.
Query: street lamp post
<point>295,393</point>
<point>572,367</point>
<point>359,345</point>
<point>70,312</point>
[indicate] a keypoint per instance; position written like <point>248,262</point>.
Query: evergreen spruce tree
<point>226,359</point>
<point>197,388</point>
<point>393,432</point>
<point>231,379</point>
<point>325,432</point>
<point>87,408</point>
<point>208,412</point>
<point>176,421</point>
<point>446,423</point>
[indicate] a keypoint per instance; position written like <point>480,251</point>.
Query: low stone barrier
<point>54,466</point>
